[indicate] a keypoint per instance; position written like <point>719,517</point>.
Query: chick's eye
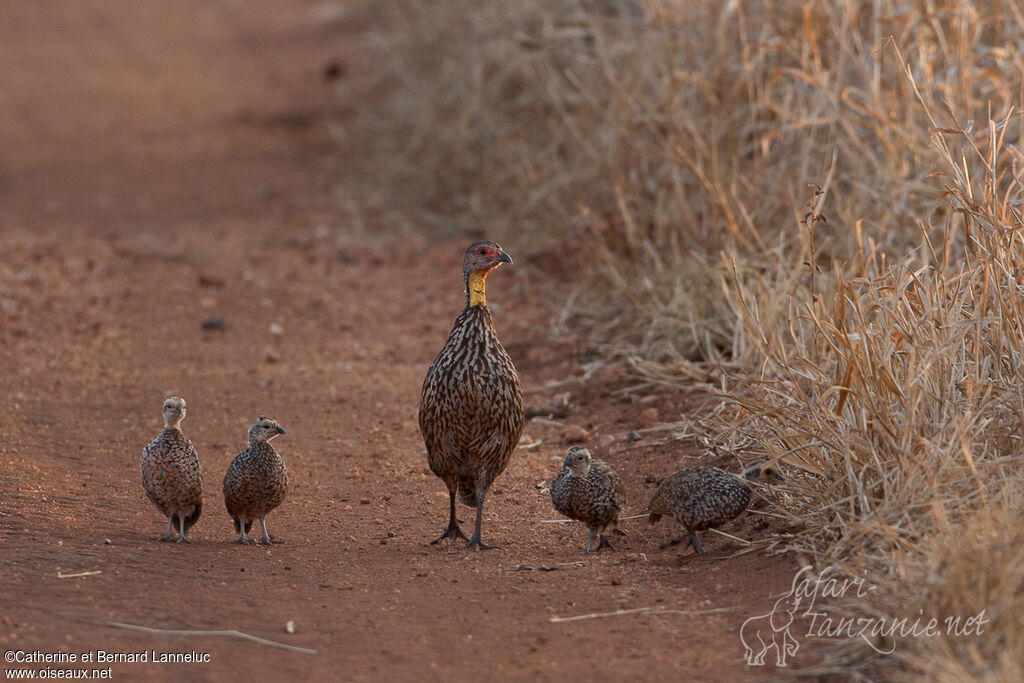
<point>482,251</point>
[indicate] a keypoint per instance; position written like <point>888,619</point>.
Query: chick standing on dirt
<point>589,491</point>
<point>257,480</point>
<point>171,475</point>
<point>704,497</point>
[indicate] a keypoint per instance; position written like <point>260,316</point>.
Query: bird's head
<point>577,459</point>
<point>174,411</point>
<point>479,260</point>
<point>264,429</point>
<point>759,471</point>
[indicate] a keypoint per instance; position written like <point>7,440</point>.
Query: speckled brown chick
<point>704,497</point>
<point>588,491</point>
<point>471,405</point>
<point>257,480</point>
<point>171,475</point>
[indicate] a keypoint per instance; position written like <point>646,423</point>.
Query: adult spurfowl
<point>471,406</point>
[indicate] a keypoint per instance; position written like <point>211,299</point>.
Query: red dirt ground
<point>163,163</point>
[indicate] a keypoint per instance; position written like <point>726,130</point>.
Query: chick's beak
<point>280,430</point>
<point>504,258</point>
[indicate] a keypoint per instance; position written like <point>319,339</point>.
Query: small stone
<point>290,627</point>
<point>634,436</point>
<point>107,541</point>
<point>206,280</point>
<point>647,418</point>
<point>276,329</point>
<point>364,501</point>
<point>215,323</point>
<point>575,434</point>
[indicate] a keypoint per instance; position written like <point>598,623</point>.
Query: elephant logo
<point>771,631</point>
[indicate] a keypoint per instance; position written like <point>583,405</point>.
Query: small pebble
<point>647,418</point>
<point>290,627</point>
<point>575,434</point>
<point>215,323</point>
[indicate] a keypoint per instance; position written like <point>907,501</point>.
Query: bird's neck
<point>475,294</point>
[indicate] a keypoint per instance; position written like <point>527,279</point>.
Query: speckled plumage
<point>257,480</point>
<point>471,405</point>
<point>703,497</point>
<point>589,491</point>
<point>171,475</point>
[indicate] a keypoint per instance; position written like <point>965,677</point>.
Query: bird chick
<point>257,480</point>
<point>171,475</point>
<point>471,404</point>
<point>704,497</point>
<point>589,491</point>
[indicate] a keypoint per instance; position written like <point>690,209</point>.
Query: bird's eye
<point>482,251</point>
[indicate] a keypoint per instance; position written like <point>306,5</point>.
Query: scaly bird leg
<point>695,542</point>
<point>169,536</point>
<point>241,530</point>
<point>266,537</point>
<point>590,539</point>
<point>604,544</point>
<point>453,531</point>
<point>181,525</point>
<point>475,543</point>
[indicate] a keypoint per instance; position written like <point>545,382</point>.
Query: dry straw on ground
<point>812,207</point>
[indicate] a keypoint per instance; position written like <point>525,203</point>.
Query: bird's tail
<point>194,517</point>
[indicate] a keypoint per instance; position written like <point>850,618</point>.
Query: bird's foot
<point>476,545</point>
<point>243,540</point>
<point>452,533</point>
<point>166,538</point>
<point>604,544</point>
<point>185,540</point>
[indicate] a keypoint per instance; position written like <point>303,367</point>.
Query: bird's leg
<point>169,536</point>
<point>695,542</point>
<point>266,537</point>
<point>604,544</point>
<point>590,539</point>
<point>181,525</point>
<point>453,531</point>
<point>241,530</point>
<point>475,543</point>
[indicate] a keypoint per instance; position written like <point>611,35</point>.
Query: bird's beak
<point>280,430</point>
<point>504,258</point>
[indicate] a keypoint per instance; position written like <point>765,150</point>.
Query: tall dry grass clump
<point>814,207</point>
<point>652,135</point>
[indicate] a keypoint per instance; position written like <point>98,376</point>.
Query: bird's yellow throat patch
<point>476,288</point>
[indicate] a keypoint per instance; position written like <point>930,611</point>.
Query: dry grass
<point>812,207</point>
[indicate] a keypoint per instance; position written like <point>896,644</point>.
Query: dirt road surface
<point>166,163</point>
